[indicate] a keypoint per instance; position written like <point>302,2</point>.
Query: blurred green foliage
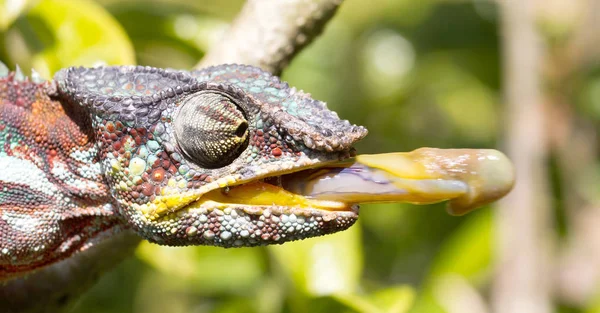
<point>415,73</point>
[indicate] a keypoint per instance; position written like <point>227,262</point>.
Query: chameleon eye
<point>211,129</point>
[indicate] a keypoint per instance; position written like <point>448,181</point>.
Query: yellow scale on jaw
<point>249,194</point>
<point>263,194</point>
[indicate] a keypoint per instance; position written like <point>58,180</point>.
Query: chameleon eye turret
<point>211,129</point>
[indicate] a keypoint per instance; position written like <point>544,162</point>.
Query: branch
<point>269,33</point>
<point>523,218</point>
<point>56,287</point>
<point>575,144</point>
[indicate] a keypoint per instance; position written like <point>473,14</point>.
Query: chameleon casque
<point>182,158</point>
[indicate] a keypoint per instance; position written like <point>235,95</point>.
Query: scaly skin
<point>53,198</point>
<point>100,150</point>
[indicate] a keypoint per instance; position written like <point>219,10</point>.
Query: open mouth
<point>467,178</point>
<point>324,199</point>
<point>275,192</point>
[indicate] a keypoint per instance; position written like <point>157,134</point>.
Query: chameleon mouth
<point>324,199</point>
<point>467,178</point>
<point>271,193</point>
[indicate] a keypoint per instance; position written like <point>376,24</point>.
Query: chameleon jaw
<point>321,199</point>
<point>232,213</point>
<point>245,215</point>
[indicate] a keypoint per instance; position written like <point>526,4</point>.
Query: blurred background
<point>523,78</point>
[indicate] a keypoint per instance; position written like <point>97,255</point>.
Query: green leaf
<point>10,10</point>
<point>168,34</point>
<point>394,300</point>
<point>390,300</point>
<point>357,303</point>
<point>469,251</point>
<point>325,265</point>
<point>466,257</point>
<point>75,33</point>
<point>208,269</point>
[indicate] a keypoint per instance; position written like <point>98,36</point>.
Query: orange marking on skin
<point>158,174</point>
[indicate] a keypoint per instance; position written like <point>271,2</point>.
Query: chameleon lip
<point>269,192</point>
<point>260,193</point>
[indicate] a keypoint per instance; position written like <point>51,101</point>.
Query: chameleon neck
<point>52,184</point>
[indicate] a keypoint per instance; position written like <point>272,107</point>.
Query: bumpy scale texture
<point>102,149</point>
<point>53,199</point>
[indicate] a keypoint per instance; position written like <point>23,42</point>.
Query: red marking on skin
<point>158,174</point>
<point>147,189</point>
<point>276,152</point>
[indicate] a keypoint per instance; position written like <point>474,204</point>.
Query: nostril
<point>241,130</point>
<point>326,132</point>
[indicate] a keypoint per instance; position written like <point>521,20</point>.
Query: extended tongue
<point>468,178</point>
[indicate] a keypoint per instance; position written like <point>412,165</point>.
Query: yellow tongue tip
<point>493,177</point>
<point>488,174</point>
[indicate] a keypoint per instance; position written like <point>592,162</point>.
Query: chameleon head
<point>232,156</point>
<point>197,157</point>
